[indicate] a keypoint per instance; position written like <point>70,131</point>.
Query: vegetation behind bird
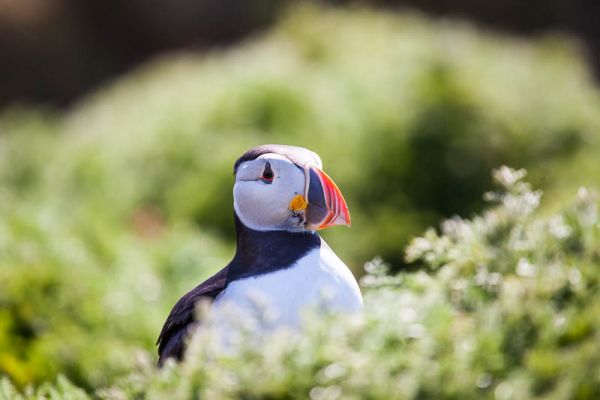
<point>111,211</point>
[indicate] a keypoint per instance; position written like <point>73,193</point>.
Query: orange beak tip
<point>337,209</point>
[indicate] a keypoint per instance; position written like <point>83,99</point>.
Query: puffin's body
<point>281,197</point>
<point>317,278</point>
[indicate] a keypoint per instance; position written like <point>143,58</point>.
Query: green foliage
<point>408,115</point>
<point>111,211</point>
<point>62,390</point>
<point>508,309</point>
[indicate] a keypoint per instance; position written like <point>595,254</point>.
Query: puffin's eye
<point>267,175</point>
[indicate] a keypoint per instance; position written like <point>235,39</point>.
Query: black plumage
<point>172,337</point>
<point>298,155</point>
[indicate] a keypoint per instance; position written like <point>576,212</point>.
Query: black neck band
<point>261,252</point>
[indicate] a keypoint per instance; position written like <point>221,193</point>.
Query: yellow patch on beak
<point>298,203</point>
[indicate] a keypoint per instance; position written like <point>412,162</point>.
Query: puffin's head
<point>280,187</point>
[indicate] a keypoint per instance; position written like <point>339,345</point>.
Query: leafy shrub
<point>112,210</point>
<point>508,309</point>
<point>62,390</point>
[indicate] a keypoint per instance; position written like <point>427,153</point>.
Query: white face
<point>262,195</point>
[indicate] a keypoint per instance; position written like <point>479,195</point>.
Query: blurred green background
<point>115,195</point>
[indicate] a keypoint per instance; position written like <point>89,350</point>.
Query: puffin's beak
<point>326,205</point>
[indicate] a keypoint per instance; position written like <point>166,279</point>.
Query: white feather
<point>319,279</point>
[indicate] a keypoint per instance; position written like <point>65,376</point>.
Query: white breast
<point>319,279</point>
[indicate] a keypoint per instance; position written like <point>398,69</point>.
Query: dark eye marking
<point>267,175</point>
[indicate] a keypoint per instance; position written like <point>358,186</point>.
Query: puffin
<point>281,199</point>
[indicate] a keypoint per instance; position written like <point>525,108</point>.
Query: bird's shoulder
<point>173,333</point>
